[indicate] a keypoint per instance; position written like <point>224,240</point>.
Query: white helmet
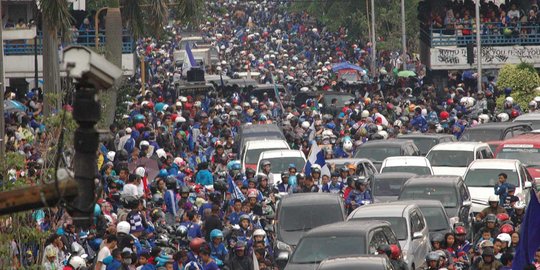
<point>123,227</point>
<point>519,205</point>
<point>77,262</point>
<point>197,104</point>
<point>178,161</point>
<point>180,119</point>
<point>259,232</point>
<point>398,123</point>
<point>161,153</point>
<point>305,125</point>
<point>140,171</point>
<point>347,145</point>
<point>144,143</point>
<point>183,99</point>
<point>493,198</point>
<point>383,133</point>
<point>327,132</point>
<point>364,114</point>
<point>533,104</point>
<point>503,117</point>
<point>537,99</point>
<point>469,102</point>
<point>505,238</point>
<point>424,112</point>
<point>483,118</point>
<point>509,100</point>
<point>111,155</point>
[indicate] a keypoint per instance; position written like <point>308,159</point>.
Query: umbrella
<point>151,167</point>
<point>346,65</point>
<point>406,73</point>
<point>11,106</point>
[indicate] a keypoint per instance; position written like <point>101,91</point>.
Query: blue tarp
<point>346,65</point>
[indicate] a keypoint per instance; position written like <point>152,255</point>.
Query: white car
<point>407,164</point>
<point>483,175</point>
<point>408,223</point>
<point>280,161</point>
<point>253,149</point>
<point>453,158</point>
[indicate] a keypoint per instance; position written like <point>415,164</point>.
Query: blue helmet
<point>97,210</point>
<point>215,233</point>
<point>138,118</point>
<point>292,180</point>
<point>163,173</point>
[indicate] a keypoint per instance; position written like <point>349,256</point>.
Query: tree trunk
<point>113,53</point>
<point>51,70</point>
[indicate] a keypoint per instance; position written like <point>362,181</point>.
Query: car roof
<point>425,135</point>
<point>265,143</point>
<point>503,164</point>
<point>531,138</point>
<point>352,262</point>
<point>422,202</point>
<point>346,228</point>
<point>433,180</point>
<point>347,160</point>
<point>528,116</point>
<point>245,128</point>
<point>309,199</point>
<point>403,160</point>
<point>394,175</point>
<point>281,153</point>
<point>390,209</point>
<point>458,146</point>
<point>393,142</point>
<point>498,125</point>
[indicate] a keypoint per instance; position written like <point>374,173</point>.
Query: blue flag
<point>192,62</point>
<point>529,239</point>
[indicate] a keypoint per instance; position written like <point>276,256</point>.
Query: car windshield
<point>441,158</point>
<point>378,154</point>
<point>435,218</point>
<point>489,177</point>
<point>408,169</point>
<point>528,156</point>
<point>388,186</point>
<point>306,217</point>
<point>481,135</point>
<point>252,155</point>
<point>447,195</point>
<point>341,99</point>
<point>280,164</point>
<point>424,144</point>
<point>316,249</point>
<point>398,225</point>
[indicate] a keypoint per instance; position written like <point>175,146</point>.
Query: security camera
<point>84,64</point>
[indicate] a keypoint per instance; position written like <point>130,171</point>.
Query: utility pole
<point>373,41</point>
<point>403,36</point>
<point>478,49</point>
<point>2,89</point>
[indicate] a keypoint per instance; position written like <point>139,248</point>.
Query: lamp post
<point>373,40</point>
<point>2,88</point>
<point>403,36</point>
<point>478,49</point>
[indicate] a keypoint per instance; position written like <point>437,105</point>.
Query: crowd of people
<point>173,193</point>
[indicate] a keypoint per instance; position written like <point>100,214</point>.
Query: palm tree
<point>56,20</point>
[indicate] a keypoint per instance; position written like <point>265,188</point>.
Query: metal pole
<point>373,40</point>
<point>403,36</point>
<point>2,89</point>
<point>368,19</point>
<point>96,25</point>
<point>478,49</point>
<point>36,76</point>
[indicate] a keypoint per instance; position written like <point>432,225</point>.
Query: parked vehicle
<point>298,213</point>
<point>450,190</point>
<point>408,223</point>
<point>368,262</point>
<point>483,175</point>
<point>494,131</point>
<point>253,149</point>
<point>529,118</point>
<point>281,160</point>
<point>416,165</point>
<point>349,238</point>
<point>525,148</point>
<point>378,150</point>
<point>364,166</point>
<point>436,217</point>
<point>454,158</point>
<point>425,141</point>
<point>249,132</point>
<point>385,187</point>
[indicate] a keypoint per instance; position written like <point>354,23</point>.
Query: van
<point>253,149</point>
<point>453,158</point>
<point>249,132</point>
<point>525,148</point>
<point>280,161</point>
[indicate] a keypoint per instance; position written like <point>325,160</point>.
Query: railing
<point>492,34</point>
<point>86,38</point>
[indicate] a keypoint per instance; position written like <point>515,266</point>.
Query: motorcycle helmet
<point>123,227</point>
<point>215,233</point>
<point>181,232</point>
<point>77,263</point>
<point>196,243</point>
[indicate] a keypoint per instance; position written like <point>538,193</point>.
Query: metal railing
<point>492,34</point>
<point>84,38</point>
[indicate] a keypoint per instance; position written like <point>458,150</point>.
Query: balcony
<point>22,44</point>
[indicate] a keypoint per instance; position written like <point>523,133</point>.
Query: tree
<point>56,20</point>
<point>522,79</point>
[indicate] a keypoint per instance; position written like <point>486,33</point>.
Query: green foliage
<point>56,12</point>
<point>523,79</point>
<point>126,92</point>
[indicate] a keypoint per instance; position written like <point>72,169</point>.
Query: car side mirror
<point>283,256</point>
<point>467,203</point>
<point>528,184</point>
<point>417,235</point>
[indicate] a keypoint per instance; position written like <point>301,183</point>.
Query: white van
<point>280,161</point>
<point>407,164</point>
<point>253,149</point>
<point>453,158</point>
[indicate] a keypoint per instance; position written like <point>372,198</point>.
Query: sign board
<point>493,57</point>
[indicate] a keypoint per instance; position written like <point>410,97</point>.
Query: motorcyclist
<point>334,186</point>
<point>432,261</point>
<point>360,196</point>
<point>488,261</point>
<point>396,260</point>
<point>75,263</point>
<point>493,208</point>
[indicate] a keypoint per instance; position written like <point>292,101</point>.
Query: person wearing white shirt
<point>514,12</point>
<point>105,251</point>
<point>132,186</point>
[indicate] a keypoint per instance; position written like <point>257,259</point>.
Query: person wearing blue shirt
<point>419,121</point>
<point>501,188</point>
<point>204,176</point>
<point>360,196</point>
<point>194,229</point>
<point>170,201</point>
<point>234,216</point>
<point>218,250</point>
<point>334,186</point>
<point>208,262</point>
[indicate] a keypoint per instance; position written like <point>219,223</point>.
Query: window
<point>524,175</point>
<point>377,239</point>
<point>464,193</point>
<point>416,224</point>
<point>518,131</point>
<point>478,155</point>
<point>508,135</point>
<point>390,236</point>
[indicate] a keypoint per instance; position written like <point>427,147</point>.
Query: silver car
<point>408,223</point>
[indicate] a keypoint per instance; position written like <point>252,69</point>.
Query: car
<point>368,262</point>
<point>364,166</point>
<point>450,190</point>
<point>493,146</point>
<point>407,222</point>
<point>494,131</point>
<point>298,213</point>
<point>249,132</point>
<point>530,118</point>
<point>385,187</point>
<point>483,175</point>
<point>436,217</point>
<point>378,150</point>
<point>525,148</point>
<point>407,164</point>
<point>253,149</point>
<point>350,238</point>
<point>342,99</point>
<point>425,141</point>
<point>280,161</point>
<point>454,158</point>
